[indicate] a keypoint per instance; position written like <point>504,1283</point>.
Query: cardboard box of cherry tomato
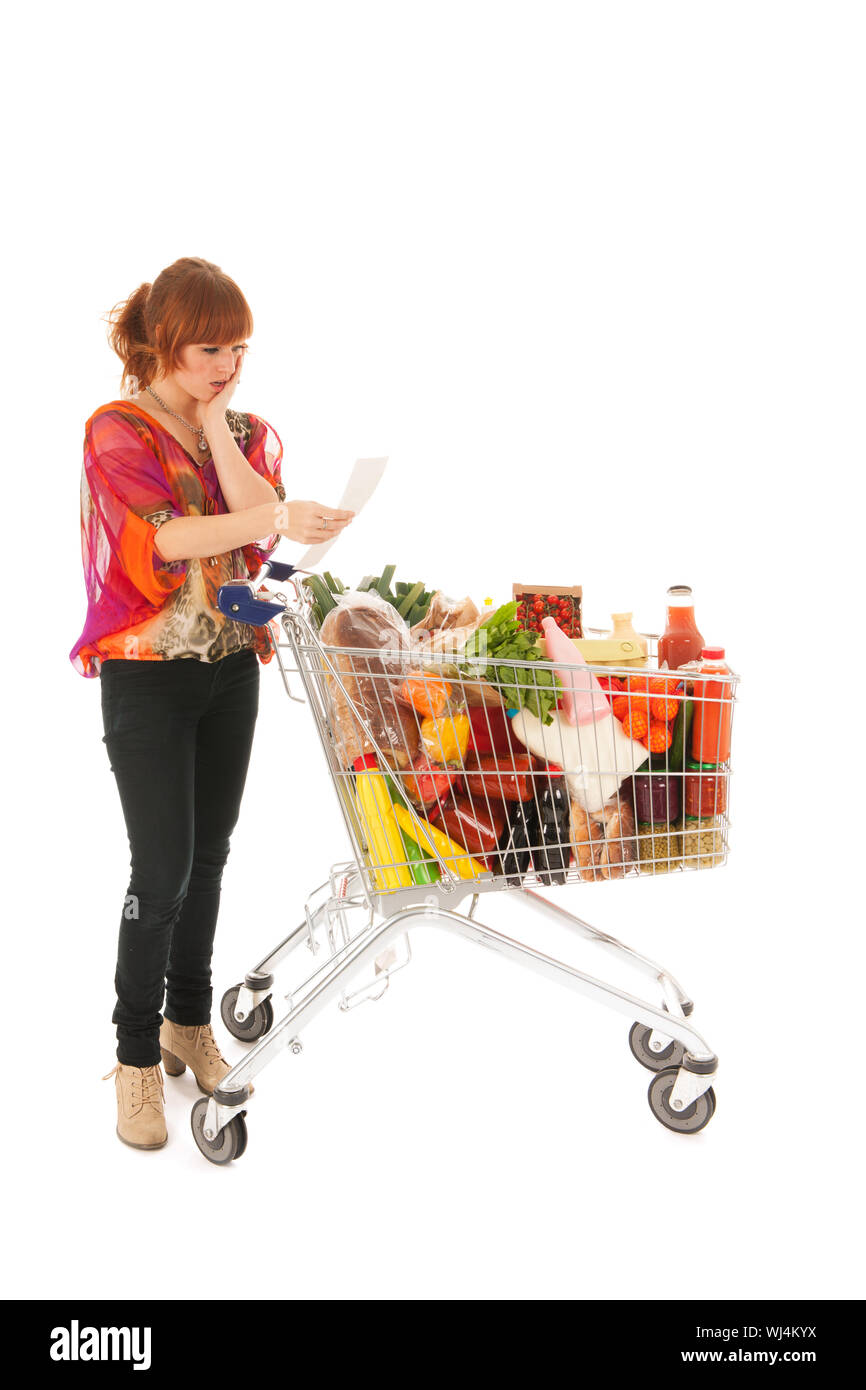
<point>646,705</point>
<point>535,602</point>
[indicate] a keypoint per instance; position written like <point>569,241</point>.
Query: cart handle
<point>238,600</point>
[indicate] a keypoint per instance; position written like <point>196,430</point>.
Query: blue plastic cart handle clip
<point>238,599</point>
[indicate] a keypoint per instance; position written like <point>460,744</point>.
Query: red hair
<point>191,301</point>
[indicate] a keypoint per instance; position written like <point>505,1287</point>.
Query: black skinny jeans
<point>179,735</point>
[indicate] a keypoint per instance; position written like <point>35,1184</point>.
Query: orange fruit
<point>663,685</point>
<point>660,736</point>
<point>635,724</point>
<point>664,707</point>
<point>640,700</point>
<point>619,705</point>
<point>638,682</point>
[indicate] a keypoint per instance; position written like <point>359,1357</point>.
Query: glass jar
<point>705,791</point>
<point>703,842</point>
<point>680,642</point>
<point>656,798</point>
<point>660,850</point>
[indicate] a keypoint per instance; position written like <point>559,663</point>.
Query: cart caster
<point>687,1121</point>
<point>670,1056</point>
<point>229,1143</point>
<point>254,1026</point>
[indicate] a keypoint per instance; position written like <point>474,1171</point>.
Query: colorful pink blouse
<point>134,477</point>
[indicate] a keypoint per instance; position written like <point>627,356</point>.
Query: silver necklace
<point>196,429</point>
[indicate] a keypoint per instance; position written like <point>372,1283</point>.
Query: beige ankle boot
<point>185,1046</point>
<point>140,1109</point>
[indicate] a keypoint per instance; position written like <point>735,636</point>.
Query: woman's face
<point>204,365</point>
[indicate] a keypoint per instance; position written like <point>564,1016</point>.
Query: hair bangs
<point>219,315</point>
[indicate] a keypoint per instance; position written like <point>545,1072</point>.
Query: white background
<point>592,276</point>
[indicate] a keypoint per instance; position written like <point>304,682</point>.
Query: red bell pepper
<point>489,729</point>
<point>427,782</point>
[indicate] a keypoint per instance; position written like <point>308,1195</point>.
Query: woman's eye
<point>241,347</point>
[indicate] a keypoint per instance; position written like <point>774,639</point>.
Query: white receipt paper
<point>363,481</point>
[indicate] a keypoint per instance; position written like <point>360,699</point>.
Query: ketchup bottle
<point>681,641</point>
<point>711,728</point>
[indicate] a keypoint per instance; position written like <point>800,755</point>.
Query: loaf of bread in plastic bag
<point>364,683</point>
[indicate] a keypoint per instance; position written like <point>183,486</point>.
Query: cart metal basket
<point>451,785</point>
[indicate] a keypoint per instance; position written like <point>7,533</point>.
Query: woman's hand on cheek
<point>212,413</point>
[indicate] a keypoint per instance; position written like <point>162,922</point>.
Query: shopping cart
<point>532,816</point>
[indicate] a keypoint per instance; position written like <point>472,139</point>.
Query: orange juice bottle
<point>711,727</point>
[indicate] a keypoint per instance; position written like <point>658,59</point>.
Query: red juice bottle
<point>681,641</point>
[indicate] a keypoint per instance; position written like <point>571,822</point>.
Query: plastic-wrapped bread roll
<point>587,837</point>
<point>445,613</point>
<point>619,841</point>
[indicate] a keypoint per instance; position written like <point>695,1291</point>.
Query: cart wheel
<point>242,1134</point>
<point>229,1143</point>
<point>638,1041</point>
<point>259,1022</point>
<point>687,1121</point>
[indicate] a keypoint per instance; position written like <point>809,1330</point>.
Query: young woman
<point>179,493</point>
